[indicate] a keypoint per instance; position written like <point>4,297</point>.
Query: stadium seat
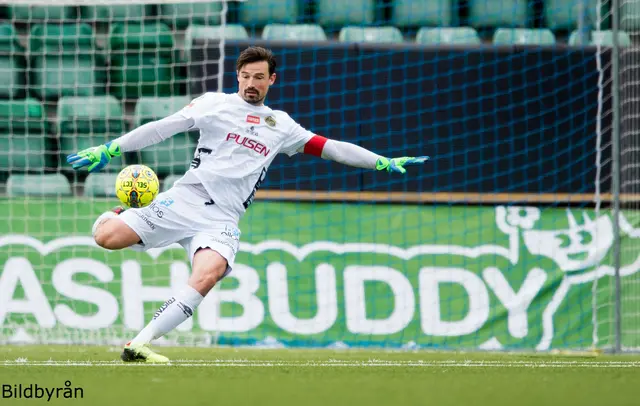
<point>84,122</point>
<point>23,129</point>
<point>40,13</point>
<point>54,184</point>
<point>509,36</point>
<point>294,32</point>
<point>371,34</point>
<point>604,38</point>
<point>269,12</point>
<point>563,14</point>
<point>21,117</point>
<point>168,182</point>
<point>446,35</point>
<point>340,13</point>
<point>411,13</point>
<point>497,13</point>
<point>12,64</point>
<point>173,155</point>
<point>100,185</point>
<point>121,12</point>
<point>630,15</point>
<point>142,60</point>
<point>64,61</point>
<point>213,33</point>
<point>183,14</point>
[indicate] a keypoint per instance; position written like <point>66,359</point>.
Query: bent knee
<point>114,234</point>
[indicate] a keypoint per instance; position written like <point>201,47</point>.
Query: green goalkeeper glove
<point>95,158</point>
<point>398,164</point>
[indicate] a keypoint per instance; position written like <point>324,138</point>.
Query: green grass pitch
<point>239,376</point>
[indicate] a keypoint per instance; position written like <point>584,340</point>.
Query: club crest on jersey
<point>271,121</point>
<point>253,119</point>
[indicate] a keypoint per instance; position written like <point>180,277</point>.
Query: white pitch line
<point>337,363</point>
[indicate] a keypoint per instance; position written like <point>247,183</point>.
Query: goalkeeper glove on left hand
<point>95,157</point>
<point>397,164</point>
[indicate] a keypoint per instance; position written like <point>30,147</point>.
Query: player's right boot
<point>141,353</point>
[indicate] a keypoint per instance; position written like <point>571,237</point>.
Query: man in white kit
<point>239,138</point>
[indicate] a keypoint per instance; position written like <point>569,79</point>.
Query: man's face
<point>254,82</point>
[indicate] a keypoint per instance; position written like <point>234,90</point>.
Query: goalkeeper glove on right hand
<point>95,158</point>
<point>397,164</point>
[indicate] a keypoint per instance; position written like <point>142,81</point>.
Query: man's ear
<point>272,79</point>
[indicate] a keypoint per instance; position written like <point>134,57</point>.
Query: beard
<point>252,98</point>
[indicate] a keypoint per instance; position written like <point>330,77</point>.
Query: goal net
<point>503,240</point>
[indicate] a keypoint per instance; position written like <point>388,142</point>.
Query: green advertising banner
<point>331,275</point>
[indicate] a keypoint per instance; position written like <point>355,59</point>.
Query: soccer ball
<point>137,186</point>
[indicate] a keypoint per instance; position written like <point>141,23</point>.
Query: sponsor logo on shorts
<point>166,202</point>
<point>157,210</point>
<point>234,247</point>
<point>145,219</point>
<point>232,233</point>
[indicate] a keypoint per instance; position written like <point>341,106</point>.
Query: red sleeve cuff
<point>315,145</point>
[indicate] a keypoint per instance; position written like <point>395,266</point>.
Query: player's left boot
<point>141,353</point>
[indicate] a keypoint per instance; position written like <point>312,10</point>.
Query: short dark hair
<point>256,54</point>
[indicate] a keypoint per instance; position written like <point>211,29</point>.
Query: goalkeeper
<point>239,138</point>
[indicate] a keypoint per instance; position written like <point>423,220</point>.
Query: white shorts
<point>186,216</point>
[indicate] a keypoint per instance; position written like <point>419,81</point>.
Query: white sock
<point>170,315</point>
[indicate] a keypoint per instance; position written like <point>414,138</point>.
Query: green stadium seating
<point>100,185</point>
<point>12,64</point>
<point>509,36</point>
<point>269,12</point>
<point>181,15</point>
<point>411,13</point>
<point>340,13</point>
<point>142,60</point>
<point>42,185</point>
<point>630,15</point>
<point>563,14</point>
<point>371,34</point>
<point>447,35</point>
<point>64,61</point>
<point>40,13</point>
<point>120,12</point>
<point>23,142</point>
<point>85,122</point>
<point>173,155</point>
<point>497,13</point>
<point>85,115</point>
<point>294,32</point>
<point>167,183</point>
<point>604,38</point>
<point>21,117</point>
<point>213,33</point>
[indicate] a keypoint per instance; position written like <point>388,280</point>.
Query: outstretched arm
<point>151,133</point>
<point>154,132</point>
<point>353,155</point>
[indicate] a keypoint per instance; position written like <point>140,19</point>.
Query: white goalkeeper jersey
<point>238,141</point>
